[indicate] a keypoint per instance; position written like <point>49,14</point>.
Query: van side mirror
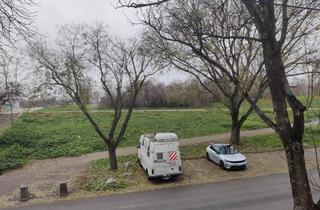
<point>138,147</point>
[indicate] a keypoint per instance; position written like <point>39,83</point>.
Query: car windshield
<point>228,150</point>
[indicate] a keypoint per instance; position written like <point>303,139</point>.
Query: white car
<point>226,155</point>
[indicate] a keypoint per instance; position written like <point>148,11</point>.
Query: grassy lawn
<point>49,135</point>
<point>266,103</point>
<point>55,134</point>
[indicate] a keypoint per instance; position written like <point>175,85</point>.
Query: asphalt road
<point>268,192</point>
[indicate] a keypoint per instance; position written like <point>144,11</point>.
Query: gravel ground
<point>195,171</point>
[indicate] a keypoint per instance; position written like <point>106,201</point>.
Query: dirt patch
<point>195,171</point>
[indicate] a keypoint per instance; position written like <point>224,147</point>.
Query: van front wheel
<point>149,177</point>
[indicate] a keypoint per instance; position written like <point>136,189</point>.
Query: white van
<point>159,155</point>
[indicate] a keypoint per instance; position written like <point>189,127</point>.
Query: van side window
<point>159,156</point>
<point>148,151</point>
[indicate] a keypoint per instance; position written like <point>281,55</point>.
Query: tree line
<point>178,94</point>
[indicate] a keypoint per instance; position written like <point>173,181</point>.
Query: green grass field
<point>50,133</point>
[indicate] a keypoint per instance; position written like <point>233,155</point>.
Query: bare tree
<point>6,62</point>
<point>279,26</point>
<point>16,20</point>
<point>7,91</point>
<point>11,81</point>
<point>264,14</point>
<point>122,67</point>
<point>197,37</point>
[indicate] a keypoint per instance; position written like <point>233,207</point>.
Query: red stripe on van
<point>173,156</point>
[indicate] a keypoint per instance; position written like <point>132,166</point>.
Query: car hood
<point>234,157</point>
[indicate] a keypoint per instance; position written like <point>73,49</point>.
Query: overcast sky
<point>52,13</point>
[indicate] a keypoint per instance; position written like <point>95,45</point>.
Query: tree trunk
<point>235,128</point>
<point>291,140</point>
<point>112,157</point>
<point>291,136</point>
<point>301,192</point>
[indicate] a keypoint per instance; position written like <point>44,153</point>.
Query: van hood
<point>234,157</point>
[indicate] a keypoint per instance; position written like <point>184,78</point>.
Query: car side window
<point>216,149</point>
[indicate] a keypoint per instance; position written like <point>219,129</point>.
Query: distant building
<point>9,101</point>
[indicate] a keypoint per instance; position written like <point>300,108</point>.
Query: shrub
<point>13,157</point>
<point>24,136</point>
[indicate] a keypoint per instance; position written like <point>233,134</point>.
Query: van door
<point>147,153</point>
<point>143,152</point>
<point>172,155</point>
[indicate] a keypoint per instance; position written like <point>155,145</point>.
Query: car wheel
<point>207,156</point>
<point>148,176</point>
<point>166,178</point>
<point>222,164</point>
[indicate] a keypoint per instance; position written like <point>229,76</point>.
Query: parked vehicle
<point>159,155</point>
<point>226,155</point>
